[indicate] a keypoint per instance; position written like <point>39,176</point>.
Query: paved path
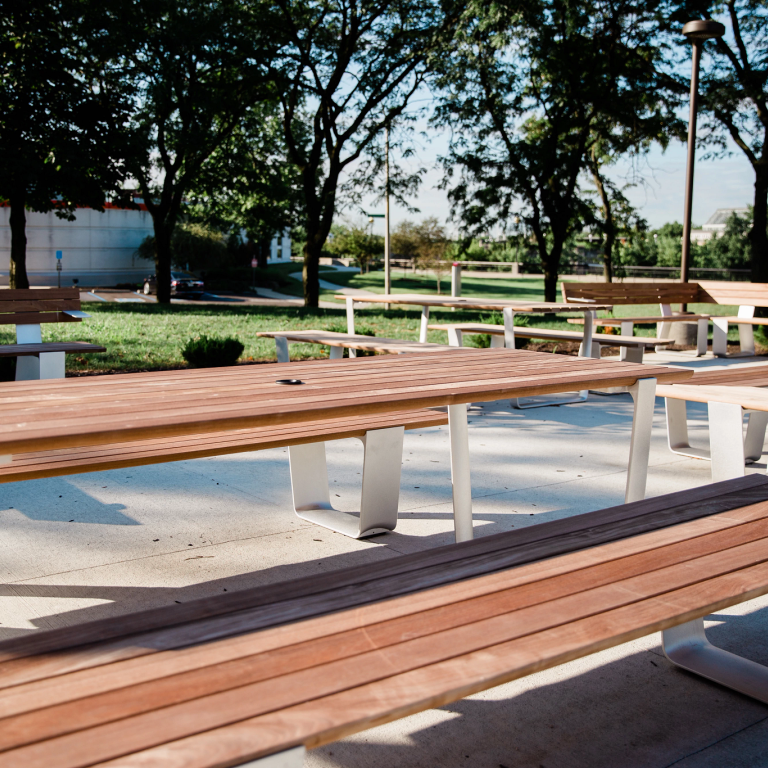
<point>328,286</point>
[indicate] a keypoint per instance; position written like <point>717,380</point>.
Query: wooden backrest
<point>31,306</point>
<point>730,292</point>
<point>631,293</point>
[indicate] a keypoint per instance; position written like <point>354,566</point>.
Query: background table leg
<point>643,393</point>
<point>460,475</point>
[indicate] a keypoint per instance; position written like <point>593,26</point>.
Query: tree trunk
<point>759,235</point>
<point>262,252</point>
<point>311,270</point>
<point>609,228</point>
<point>163,259</point>
<point>18,221</point>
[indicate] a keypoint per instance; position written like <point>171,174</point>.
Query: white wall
<point>97,247</point>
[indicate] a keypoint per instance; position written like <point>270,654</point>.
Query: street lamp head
<point>703,29</point>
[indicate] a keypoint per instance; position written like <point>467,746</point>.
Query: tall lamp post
<point>697,32</point>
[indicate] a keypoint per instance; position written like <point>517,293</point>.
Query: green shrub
<point>360,330</point>
<point>483,341</point>
<point>207,352</point>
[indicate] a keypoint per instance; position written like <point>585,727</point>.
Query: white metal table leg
<point>643,393</point>
<point>726,440</point>
<point>701,336</point>
<point>350,314</point>
<point>461,481</point>
<point>380,495</point>
<point>686,645</point>
<point>281,348</point>
<point>719,336</point>
<point>746,332</point>
<point>290,758</point>
<point>424,323</point>
<point>336,353</point>
<point>757,421</point>
<point>509,327</point>
<point>455,337</point>
<point>497,342</point>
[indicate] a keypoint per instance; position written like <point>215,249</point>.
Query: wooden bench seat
<point>338,342</point>
<point>635,344</point>
<point>382,437</point>
<point>27,309</point>
<point>277,669</point>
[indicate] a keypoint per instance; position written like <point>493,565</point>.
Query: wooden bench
<point>632,346</point>
<point>338,342</point>
<point>663,294</point>
<point>747,296</point>
<point>27,309</point>
<point>727,402</point>
<point>382,437</point>
<point>264,674</point>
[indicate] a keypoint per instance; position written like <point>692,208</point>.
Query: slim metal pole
<point>387,277</point>
<point>685,262</point>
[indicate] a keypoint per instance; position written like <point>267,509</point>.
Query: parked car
<point>182,284</point>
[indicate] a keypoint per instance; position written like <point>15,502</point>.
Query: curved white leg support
<point>677,430</point>
<point>726,440</point>
<point>755,437</point>
<point>643,393</point>
<point>687,646</point>
<point>381,485</point>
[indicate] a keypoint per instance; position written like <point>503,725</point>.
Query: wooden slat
<point>555,334</point>
<point>631,293</point>
<point>544,612</point>
<point>32,350</point>
<point>357,341</point>
<point>726,292</point>
<point>37,305</point>
<point>518,305</point>
<point>742,375</point>
<point>304,598</point>
<point>736,547</point>
<point>612,321</point>
<point>44,294</point>
<point>28,466</point>
<point>249,397</point>
<point>164,664</point>
<point>748,320</point>
<point>752,398</point>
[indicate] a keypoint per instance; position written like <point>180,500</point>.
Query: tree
<point>405,240</point>
<point>54,118</point>
<point>432,245</point>
<point>356,242</point>
<point>354,67</point>
<point>534,88</point>
<point>197,71</point>
<point>734,95</point>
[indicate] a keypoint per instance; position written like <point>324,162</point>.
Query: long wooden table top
<point>44,415</point>
<point>733,375</point>
<point>518,305</point>
<point>229,678</point>
<point>750,398</point>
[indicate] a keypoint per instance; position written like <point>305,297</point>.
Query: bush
<point>207,352</point>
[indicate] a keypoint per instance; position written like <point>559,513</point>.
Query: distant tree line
<point>246,117</point>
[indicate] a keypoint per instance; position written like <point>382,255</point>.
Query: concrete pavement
<point>89,546</point>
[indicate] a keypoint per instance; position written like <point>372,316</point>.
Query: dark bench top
<point>222,680</point>
<point>31,350</point>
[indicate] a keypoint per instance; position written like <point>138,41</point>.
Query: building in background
<point>98,248</point>
<point>715,227</point>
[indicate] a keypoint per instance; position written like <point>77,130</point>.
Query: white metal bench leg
<point>585,349</point>
<point>424,324</point>
<point>627,328</point>
<point>455,337</point>
<point>643,393</point>
<point>381,485</point>
<point>497,342</point>
<point>726,440</point>
<point>290,758</point>
<point>757,421</point>
<point>461,481</point>
<point>677,430</point>
<point>46,365</point>
<point>746,332</point>
<point>686,645</point>
<point>281,348</point>
<point>663,329</point>
<point>702,328</point>
<point>632,354</point>
<point>719,336</point>
<point>336,353</point>
<point>350,323</point>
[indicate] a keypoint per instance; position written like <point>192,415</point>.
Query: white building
<point>98,249</point>
<point>715,226</point>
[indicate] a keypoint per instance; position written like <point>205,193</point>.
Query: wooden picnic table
<point>508,306</point>
<point>98,411</point>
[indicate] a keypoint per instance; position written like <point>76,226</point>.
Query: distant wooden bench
<point>747,296</point>
<point>663,294</point>
<point>382,437</point>
<point>265,673</point>
<point>728,398</point>
<point>27,309</point>
<point>632,345</point>
<point>338,342</point>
